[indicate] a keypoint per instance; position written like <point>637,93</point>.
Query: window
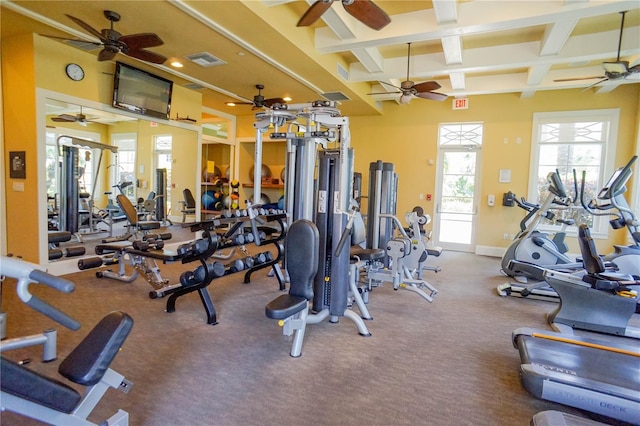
<point>124,166</point>
<point>580,141</point>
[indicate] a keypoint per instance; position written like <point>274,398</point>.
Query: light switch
<point>491,200</point>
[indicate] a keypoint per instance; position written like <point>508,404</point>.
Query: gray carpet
<point>446,363</point>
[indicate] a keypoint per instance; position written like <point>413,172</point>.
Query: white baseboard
<point>490,251</point>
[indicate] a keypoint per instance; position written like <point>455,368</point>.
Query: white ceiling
<point>469,47</point>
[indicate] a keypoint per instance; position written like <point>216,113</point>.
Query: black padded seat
<point>366,254</point>
<point>30,385</point>
<point>301,251</point>
<point>285,306</point>
<point>88,362</point>
<point>434,251</point>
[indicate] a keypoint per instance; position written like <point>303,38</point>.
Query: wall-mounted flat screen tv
<point>141,92</point>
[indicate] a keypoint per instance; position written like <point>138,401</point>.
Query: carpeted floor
<point>446,363</point>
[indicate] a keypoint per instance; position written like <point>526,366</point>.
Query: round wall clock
<point>74,72</point>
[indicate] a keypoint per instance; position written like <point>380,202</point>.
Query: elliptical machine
<point>625,259</point>
<point>532,246</point>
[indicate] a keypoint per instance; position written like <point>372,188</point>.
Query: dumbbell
<point>189,278</point>
<point>162,236</point>
<point>238,239</point>
<point>259,259</point>
<point>148,244</point>
<point>248,237</point>
<point>248,262</point>
<point>235,266</point>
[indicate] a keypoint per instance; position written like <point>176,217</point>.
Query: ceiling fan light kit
<point>409,90</point>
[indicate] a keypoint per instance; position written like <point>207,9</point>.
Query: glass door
<point>458,186</point>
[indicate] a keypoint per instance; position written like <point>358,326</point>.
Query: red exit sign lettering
<point>461,103</point>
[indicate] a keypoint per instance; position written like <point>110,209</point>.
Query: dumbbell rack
<point>211,241</point>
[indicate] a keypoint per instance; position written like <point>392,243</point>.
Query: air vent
<point>205,59</point>
<point>193,86</point>
<point>342,72</point>
<point>336,96</point>
<point>84,45</point>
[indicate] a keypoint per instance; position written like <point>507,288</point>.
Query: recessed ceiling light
<point>241,53</point>
<point>176,64</point>
<point>286,99</point>
<point>230,104</point>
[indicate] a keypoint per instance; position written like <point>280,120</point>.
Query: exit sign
<point>461,103</point>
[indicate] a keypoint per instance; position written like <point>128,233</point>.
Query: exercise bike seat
<point>357,252</point>
<point>85,365</point>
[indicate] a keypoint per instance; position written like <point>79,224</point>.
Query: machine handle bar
<point>27,273</point>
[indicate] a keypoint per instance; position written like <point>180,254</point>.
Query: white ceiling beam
<point>555,36</point>
<point>370,58</point>
<point>584,48</point>
<point>475,17</point>
<point>452,48</point>
<point>457,80</point>
<point>446,11</point>
<point>536,74</point>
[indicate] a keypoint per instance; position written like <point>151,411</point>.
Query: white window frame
<point>124,141</point>
<point>600,228</point>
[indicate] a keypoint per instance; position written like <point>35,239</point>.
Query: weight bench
<point>143,226</point>
<point>141,260</point>
<point>292,309</point>
<point>48,400</point>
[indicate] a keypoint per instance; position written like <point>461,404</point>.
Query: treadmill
<point>581,372</point>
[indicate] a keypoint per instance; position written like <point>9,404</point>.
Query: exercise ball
<point>283,174</point>
<point>227,172</point>
<point>264,199</point>
<point>209,200</point>
<point>209,177</point>
<point>265,172</point>
<point>281,203</point>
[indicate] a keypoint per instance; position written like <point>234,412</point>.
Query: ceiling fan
<point>113,42</point>
<point>612,70</point>
<point>259,101</point>
<point>408,89</point>
<point>364,11</point>
<point>68,118</point>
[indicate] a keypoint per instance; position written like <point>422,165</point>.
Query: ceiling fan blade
<point>434,96</point>
<point>579,78</point>
<point>141,41</point>
<point>368,13</point>
<point>77,40</point>
<point>390,85</point>
<point>88,28</point>
<point>427,86</point>
<point>146,56</point>
<point>383,93</point>
<point>594,84</point>
<point>107,54</point>
<point>314,12</point>
<point>64,118</point>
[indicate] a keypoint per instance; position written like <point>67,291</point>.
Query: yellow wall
<point>407,136</point>
<point>19,116</point>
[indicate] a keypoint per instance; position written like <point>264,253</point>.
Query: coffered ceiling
<point>469,48</point>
